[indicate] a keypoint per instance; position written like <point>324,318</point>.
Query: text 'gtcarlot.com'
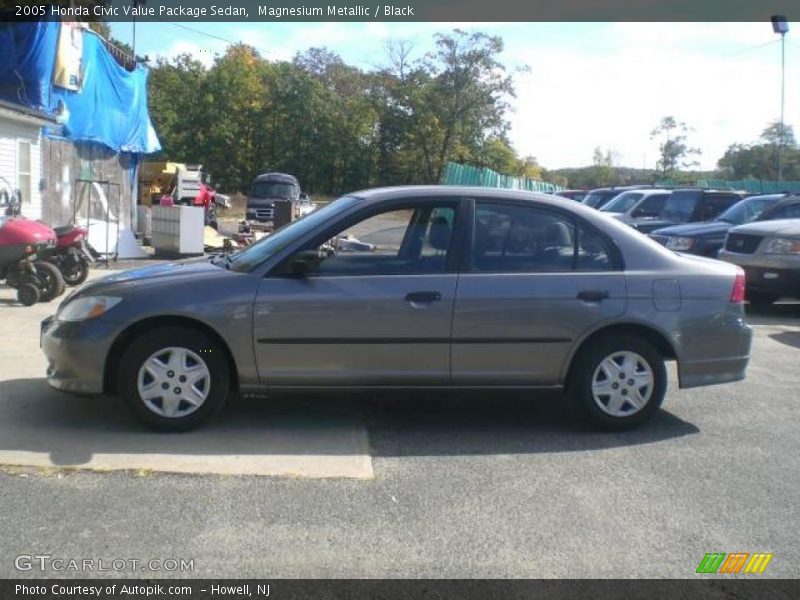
<point>47,562</point>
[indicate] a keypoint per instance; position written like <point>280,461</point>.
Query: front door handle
<point>592,295</point>
<point>423,297</point>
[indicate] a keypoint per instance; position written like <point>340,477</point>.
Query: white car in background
<point>636,204</point>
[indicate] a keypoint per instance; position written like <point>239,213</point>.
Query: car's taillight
<point>737,293</point>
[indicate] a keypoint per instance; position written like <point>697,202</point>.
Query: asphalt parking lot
<point>464,485</point>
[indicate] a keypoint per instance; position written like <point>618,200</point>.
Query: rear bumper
<point>76,354</point>
<point>713,371</point>
<point>716,351</point>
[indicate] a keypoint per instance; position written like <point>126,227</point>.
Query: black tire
<point>144,347</point>
<point>76,272</point>
<point>587,362</point>
<point>27,294</point>
<point>760,300</point>
<point>50,282</point>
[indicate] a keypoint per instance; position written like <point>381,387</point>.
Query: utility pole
<point>781,26</point>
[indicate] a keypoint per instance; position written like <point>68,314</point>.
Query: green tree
<point>759,160</point>
<point>675,152</point>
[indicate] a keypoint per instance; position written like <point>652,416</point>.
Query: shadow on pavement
<point>789,338</point>
<point>35,418</point>
<point>73,429</point>
<point>499,423</point>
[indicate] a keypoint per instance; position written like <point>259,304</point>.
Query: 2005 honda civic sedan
<point>412,287</point>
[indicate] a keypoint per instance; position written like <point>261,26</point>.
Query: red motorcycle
<point>71,254</point>
<point>22,242</point>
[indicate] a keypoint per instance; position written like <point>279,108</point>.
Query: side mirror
<point>302,263</point>
<point>299,268</point>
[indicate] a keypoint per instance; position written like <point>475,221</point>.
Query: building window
<point>24,169</point>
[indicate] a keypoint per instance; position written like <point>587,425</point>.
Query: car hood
<point>695,229</point>
<point>776,227</point>
<point>178,272</point>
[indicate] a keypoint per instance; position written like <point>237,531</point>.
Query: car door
<point>532,282</point>
<point>375,308</point>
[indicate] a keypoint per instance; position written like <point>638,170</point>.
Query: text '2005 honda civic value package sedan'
<point>412,287</point>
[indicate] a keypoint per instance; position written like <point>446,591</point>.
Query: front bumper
<point>76,353</point>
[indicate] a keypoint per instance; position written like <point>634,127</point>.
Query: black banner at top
<point>397,10</point>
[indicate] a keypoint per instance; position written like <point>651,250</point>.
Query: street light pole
<point>781,26</point>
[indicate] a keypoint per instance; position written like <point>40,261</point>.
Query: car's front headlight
<point>782,246</point>
<point>680,244</point>
<point>88,307</point>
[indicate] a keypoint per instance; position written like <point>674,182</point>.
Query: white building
<point>21,156</point>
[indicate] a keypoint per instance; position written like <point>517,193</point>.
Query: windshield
<point>679,206</point>
<point>273,189</point>
<point>252,256</point>
<point>623,202</point>
<point>746,210</point>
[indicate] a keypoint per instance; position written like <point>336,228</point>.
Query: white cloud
<point>573,101</point>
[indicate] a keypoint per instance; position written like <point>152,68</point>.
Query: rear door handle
<point>423,297</point>
<point>592,295</point>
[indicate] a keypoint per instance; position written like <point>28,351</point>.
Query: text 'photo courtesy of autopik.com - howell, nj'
<point>429,299</point>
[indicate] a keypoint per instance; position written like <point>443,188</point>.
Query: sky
<point>586,85</point>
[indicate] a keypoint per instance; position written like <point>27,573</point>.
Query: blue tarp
<point>110,108</point>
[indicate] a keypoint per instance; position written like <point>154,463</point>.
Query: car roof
<point>457,191</point>
<point>621,188</point>
<point>278,177</point>
<point>646,191</point>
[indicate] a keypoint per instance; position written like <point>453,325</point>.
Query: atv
<point>21,240</point>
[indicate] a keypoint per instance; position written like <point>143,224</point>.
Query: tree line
<point>335,126</point>
<point>339,128</point>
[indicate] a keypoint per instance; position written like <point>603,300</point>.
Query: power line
<point>749,48</point>
<point>211,35</point>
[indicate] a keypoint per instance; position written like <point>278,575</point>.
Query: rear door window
<point>519,239</point>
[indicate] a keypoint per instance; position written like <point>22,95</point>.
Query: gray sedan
<point>446,287</point>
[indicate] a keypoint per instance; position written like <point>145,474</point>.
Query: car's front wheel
<point>618,382</point>
<point>174,378</point>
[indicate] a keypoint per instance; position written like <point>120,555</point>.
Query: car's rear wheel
<point>174,378</point>
<point>617,382</point>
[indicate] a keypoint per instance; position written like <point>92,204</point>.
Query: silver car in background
<point>769,252</point>
<point>636,204</point>
<point>450,287</point>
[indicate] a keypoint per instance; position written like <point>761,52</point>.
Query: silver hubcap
<point>622,384</point>
<point>173,382</point>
